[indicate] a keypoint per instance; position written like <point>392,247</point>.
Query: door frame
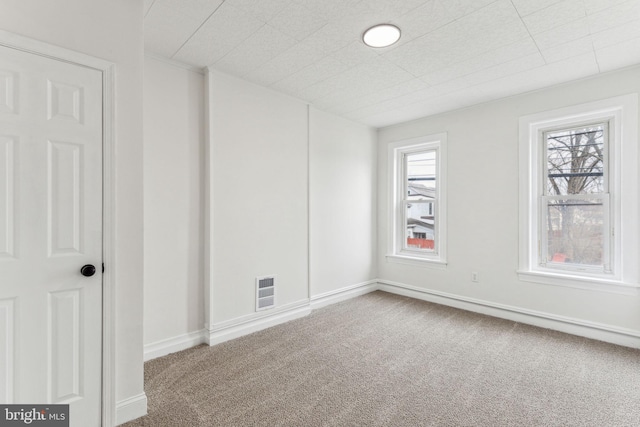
<point>36,47</point>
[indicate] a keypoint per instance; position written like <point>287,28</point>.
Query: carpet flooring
<point>386,360</point>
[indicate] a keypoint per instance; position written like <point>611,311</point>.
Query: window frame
<point>397,250</point>
<point>621,116</point>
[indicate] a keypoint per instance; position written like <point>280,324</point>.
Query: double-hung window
<point>575,213</point>
<point>417,200</point>
<point>578,195</point>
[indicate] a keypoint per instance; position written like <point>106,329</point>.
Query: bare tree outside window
<point>578,182</point>
<point>575,195</point>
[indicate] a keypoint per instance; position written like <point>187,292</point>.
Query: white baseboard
<point>254,322</point>
<point>343,294</point>
<point>131,408</point>
<point>597,331</point>
<point>171,345</point>
<point>245,325</point>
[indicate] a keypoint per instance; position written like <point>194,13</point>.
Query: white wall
<point>343,178</point>
<point>483,206</point>
<point>173,206</point>
<point>111,30</point>
<point>265,178</point>
<point>293,195</point>
<point>259,171</point>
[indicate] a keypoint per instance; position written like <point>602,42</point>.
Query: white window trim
<point>395,253</point>
<point>622,114</point>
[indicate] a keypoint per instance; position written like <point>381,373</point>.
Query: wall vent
<point>265,292</point>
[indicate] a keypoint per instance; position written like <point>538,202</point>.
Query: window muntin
<point>575,209</point>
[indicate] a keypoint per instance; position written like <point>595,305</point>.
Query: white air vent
<point>265,292</point>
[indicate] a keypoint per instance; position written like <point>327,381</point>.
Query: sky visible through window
<point>421,169</point>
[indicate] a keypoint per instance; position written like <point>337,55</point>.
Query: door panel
<point>7,195</point>
<point>7,344</point>
<point>65,200</point>
<point>65,354</point>
<point>8,92</point>
<point>50,226</point>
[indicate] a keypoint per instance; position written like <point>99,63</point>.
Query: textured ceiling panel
<point>390,9</point>
<point>593,6</point>
<point>199,10</point>
<point>506,53</point>
<point>452,54</point>
<point>566,33</point>
<point>288,63</point>
<point>354,54</point>
<point>558,72</point>
<point>432,51</point>
<point>482,33</point>
<point>147,5</point>
<point>616,35</point>
<point>615,16</point>
<point>254,51</point>
<point>425,19</point>
<point>527,7</point>
<point>331,37</point>
<point>619,55</point>
<point>460,8</point>
<point>313,73</point>
<point>170,23</point>
<point>568,50</point>
<point>262,10</point>
<point>385,95</point>
<point>519,65</point>
<point>555,16</point>
<point>220,34</point>
<point>298,21</point>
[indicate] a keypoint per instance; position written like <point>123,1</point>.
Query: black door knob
<point>88,270</point>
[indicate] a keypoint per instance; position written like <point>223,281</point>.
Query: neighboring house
<point>420,219</point>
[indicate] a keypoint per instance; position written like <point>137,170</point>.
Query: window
<point>576,211</point>
<point>417,202</point>
<point>578,195</point>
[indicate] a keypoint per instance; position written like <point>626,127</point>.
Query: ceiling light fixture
<point>381,35</point>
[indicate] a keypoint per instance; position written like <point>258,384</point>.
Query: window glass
<point>574,196</point>
<point>576,232</point>
<point>421,180</point>
<point>576,160</point>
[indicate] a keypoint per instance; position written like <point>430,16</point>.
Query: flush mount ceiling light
<point>381,35</point>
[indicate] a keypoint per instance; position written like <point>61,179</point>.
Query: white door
<point>50,227</point>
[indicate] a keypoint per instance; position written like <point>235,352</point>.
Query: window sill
<point>579,282</point>
<point>417,261</point>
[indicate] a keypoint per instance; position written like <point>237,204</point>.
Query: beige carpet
<point>386,360</point>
